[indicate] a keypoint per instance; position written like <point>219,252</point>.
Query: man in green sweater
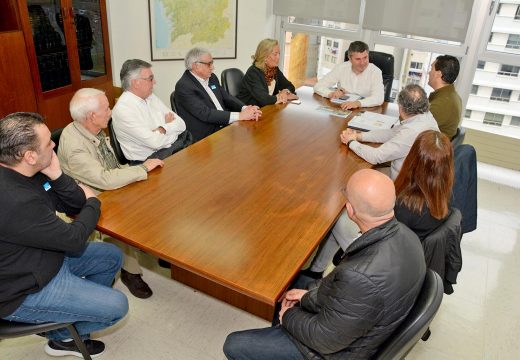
<point>445,103</point>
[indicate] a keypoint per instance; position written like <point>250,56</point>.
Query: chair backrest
<point>231,79</point>
<point>459,137</point>
<point>115,144</point>
<point>416,323</point>
<point>172,101</point>
<point>442,251</point>
<point>55,137</point>
<point>13,329</point>
<point>385,62</point>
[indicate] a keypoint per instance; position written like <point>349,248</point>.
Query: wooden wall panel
<point>16,87</point>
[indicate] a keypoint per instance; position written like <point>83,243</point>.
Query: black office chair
<point>459,137</point>
<point>55,137</point>
<point>231,79</point>
<point>172,101</point>
<point>115,144</point>
<point>415,325</point>
<point>385,62</point>
<point>12,329</point>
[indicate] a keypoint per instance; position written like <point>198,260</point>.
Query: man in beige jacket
<point>85,154</point>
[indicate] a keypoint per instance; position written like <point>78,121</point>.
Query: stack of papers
<point>366,121</point>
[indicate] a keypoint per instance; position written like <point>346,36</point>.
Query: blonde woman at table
<point>264,83</point>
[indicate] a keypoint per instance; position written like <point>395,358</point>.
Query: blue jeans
<point>268,343</point>
<point>261,344</point>
<point>80,292</point>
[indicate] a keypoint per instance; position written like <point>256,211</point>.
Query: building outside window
<point>416,65</point>
<point>499,94</point>
<point>513,41</point>
<point>493,119</point>
<point>509,70</point>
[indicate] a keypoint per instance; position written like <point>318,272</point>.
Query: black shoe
<point>136,285</point>
<point>312,274</point>
<point>62,348</point>
<point>164,264</point>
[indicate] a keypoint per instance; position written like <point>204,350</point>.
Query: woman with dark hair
<point>423,191</point>
<point>424,184</point>
<point>264,83</point>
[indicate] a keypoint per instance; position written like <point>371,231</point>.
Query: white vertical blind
<point>334,10</point>
<point>438,19</point>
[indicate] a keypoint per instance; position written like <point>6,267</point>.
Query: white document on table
<point>366,121</point>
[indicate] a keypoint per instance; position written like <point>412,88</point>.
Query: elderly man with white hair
<point>146,128</point>
<point>85,154</point>
<point>202,102</point>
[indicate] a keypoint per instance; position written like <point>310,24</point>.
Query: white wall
<point>129,31</point>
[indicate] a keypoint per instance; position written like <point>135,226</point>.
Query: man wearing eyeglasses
<point>200,99</point>
<point>146,128</point>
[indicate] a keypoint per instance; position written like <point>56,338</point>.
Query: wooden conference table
<point>240,212</point>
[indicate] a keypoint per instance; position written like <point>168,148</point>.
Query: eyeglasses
<point>210,63</point>
<point>149,78</point>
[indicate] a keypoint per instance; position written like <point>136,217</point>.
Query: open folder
<point>366,121</point>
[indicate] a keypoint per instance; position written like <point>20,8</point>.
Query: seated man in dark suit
<point>349,313</point>
<point>203,104</point>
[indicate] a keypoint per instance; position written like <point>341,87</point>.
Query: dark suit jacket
<point>254,90</point>
<point>196,108</point>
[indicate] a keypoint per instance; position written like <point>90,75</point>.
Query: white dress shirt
<point>397,141</point>
<point>135,120</point>
<point>368,84</point>
<point>233,116</point>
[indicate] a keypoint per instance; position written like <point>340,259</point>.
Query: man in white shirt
<point>202,102</point>
<point>397,141</point>
<point>146,128</point>
<point>357,77</point>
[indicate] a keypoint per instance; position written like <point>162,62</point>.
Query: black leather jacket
<point>350,312</point>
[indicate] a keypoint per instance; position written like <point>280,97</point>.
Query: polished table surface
<point>240,212</point>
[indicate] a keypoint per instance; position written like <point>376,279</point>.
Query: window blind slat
<point>438,19</point>
<point>333,10</point>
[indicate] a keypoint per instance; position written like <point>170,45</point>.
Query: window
<point>493,119</point>
<point>517,14</point>
<point>490,38</point>
<point>481,64</point>
<point>499,11</point>
<point>308,58</point>
<point>499,94</point>
<point>416,65</point>
<point>467,114</point>
<point>515,120</point>
<point>509,70</point>
<point>336,44</point>
<point>329,42</point>
<point>513,41</point>
<point>474,89</point>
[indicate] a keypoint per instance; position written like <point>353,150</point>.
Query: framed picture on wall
<point>179,25</point>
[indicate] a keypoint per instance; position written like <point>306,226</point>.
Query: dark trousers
<point>184,140</point>
<point>267,343</point>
